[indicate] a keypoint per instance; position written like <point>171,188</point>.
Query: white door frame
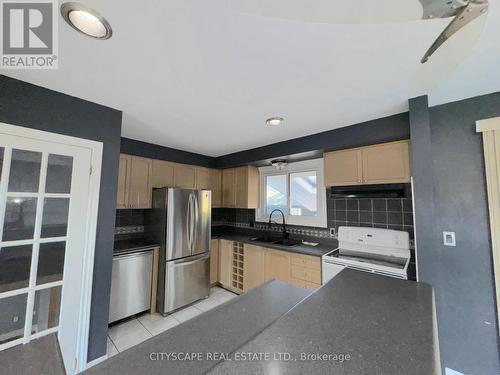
<point>491,148</point>
<point>91,224</point>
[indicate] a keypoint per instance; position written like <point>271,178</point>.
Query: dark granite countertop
<point>319,250</point>
<point>132,245</point>
<point>220,330</point>
<point>385,325</point>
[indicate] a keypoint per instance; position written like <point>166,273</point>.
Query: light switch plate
<point>449,239</point>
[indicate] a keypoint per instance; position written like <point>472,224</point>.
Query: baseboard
<point>96,361</point>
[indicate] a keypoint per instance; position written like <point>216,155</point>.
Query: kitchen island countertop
<point>386,326</point>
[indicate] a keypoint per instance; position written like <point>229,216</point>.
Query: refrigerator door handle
<point>196,218</point>
<point>189,224</point>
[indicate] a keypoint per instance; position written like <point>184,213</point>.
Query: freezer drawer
<point>187,280</point>
<point>130,285</point>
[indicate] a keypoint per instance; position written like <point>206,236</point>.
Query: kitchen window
<point>298,190</point>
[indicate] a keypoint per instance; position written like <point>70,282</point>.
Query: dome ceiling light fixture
<point>86,20</point>
<point>274,121</point>
<point>279,164</point>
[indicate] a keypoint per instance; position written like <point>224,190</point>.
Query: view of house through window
<point>276,195</point>
<point>303,192</point>
<point>294,190</point>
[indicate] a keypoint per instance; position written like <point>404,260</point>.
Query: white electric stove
<point>381,251</point>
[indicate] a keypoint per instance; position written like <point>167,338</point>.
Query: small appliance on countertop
<point>382,251</point>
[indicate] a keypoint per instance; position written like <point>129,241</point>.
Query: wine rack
<point>237,266</point>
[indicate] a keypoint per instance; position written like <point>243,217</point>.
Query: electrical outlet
<point>449,239</point>
<point>332,232</point>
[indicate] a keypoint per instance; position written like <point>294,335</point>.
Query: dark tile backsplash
<point>388,213</point>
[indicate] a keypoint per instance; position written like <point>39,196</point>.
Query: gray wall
<point>149,150</point>
<point>462,276</point>
<point>39,108</point>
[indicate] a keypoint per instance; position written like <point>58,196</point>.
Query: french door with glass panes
<point>44,188</point>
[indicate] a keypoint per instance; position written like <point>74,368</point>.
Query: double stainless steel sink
<point>277,241</point>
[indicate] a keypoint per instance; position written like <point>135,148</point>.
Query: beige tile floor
<point>134,331</point>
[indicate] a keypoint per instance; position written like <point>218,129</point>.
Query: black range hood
<point>372,191</point>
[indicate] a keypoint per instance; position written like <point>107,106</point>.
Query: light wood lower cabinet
<point>214,261</point>
<point>276,265</point>
<point>305,271</point>
<point>225,255</point>
<point>253,268</point>
<point>242,267</point>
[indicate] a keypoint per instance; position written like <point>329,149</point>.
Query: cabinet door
<point>343,167</point>
<point>277,265</point>
<point>386,163</point>
<point>185,176</point>
<point>214,261</point>
<point>202,178</point>
<point>225,254</point>
<point>139,195</point>
<point>241,187</point>
<point>228,188</point>
<point>162,175</point>
<point>216,187</point>
<point>123,178</point>
<point>253,266</point>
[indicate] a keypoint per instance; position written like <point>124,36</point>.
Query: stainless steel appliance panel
<point>187,280</point>
<point>202,205</point>
<point>179,223</point>
<point>130,285</point>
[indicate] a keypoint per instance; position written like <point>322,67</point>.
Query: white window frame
<point>315,165</point>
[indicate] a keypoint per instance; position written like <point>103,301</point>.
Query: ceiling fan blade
<point>448,57</point>
<point>334,11</point>
<point>464,16</point>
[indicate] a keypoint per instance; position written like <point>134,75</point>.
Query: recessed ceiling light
<point>273,121</point>
<point>86,20</point>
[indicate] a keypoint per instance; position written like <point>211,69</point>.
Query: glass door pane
<point>36,200</point>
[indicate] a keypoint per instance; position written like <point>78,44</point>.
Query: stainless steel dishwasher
<point>130,284</point>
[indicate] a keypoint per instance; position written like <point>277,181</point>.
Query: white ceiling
<point>198,76</point>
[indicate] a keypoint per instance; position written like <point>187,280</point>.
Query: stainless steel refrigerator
<point>181,222</point>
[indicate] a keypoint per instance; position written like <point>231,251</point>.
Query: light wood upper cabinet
<point>276,265</point>
<point>240,187</point>
<point>163,174</point>
<point>202,178</point>
<point>134,182</point>
<point>123,177</point>
<point>225,254</point>
<point>343,168</point>
<point>185,176</point>
<point>229,188</point>
<point>139,195</point>
<point>386,163</point>
<point>378,164</point>
<point>253,266</point>
<point>214,261</point>
<point>216,187</point>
